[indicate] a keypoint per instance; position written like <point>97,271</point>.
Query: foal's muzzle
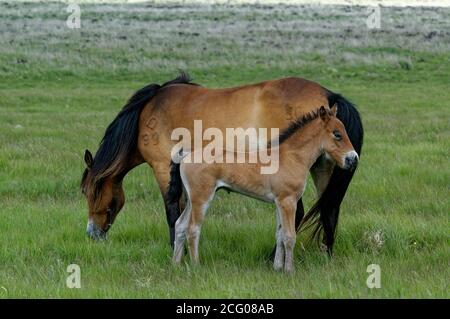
<point>351,160</point>
<point>95,232</point>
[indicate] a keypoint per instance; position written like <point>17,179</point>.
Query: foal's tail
<point>323,216</point>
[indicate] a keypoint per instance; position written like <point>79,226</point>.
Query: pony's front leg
<point>287,207</point>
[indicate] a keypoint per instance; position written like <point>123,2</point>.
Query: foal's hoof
<point>289,270</point>
<point>175,263</point>
<point>277,267</point>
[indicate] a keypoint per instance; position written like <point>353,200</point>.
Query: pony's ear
<point>334,109</point>
<point>323,113</point>
<point>88,159</point>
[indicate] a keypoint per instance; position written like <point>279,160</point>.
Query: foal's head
<point>105,199</point>
<point>336,143</point>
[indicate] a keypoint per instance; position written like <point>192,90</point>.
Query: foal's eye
<point>337,135</point>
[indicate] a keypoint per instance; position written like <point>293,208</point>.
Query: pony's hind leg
<point>161,170</point>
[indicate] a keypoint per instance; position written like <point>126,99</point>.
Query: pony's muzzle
<point>351,160</point>
<point>95,232</point>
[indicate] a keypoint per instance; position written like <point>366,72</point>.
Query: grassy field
<point>60,87</point>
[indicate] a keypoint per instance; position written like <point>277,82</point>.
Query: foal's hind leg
<point>194,229</point>
<point>200,203</point>
<point>181,227</point>
<point>200,195</point>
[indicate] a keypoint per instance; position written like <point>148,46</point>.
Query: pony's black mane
<point>120,139</point>
<point>296,125</point>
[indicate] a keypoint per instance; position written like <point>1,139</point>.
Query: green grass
<point>60,88</point>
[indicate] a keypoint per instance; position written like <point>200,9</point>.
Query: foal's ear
<point>323,113</point>
<point>88,159</point>
<point>334,109</point>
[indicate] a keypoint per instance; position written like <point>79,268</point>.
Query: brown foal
<point>299,146</point>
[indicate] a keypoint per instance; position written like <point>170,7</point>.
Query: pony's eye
<point>337,135</point>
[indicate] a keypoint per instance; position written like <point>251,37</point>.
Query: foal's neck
<point>305,144</point>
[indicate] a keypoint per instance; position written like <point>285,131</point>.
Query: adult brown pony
<point>141,133</point>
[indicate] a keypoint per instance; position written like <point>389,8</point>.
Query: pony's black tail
<point>120,139</point>
<point>175,188</point>
<point>323,216</point>
<point>174,191</point>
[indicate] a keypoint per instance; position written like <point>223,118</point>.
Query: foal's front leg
<point>299,213</point>
<point>278,261</point>
<point>287,206</point>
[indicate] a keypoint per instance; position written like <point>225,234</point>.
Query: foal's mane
<point>120,139</point>
<point>298,124</point>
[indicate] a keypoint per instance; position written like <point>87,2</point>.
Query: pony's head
<point>116,155</point>
<point>105,198</point>
<point>336,143</point>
